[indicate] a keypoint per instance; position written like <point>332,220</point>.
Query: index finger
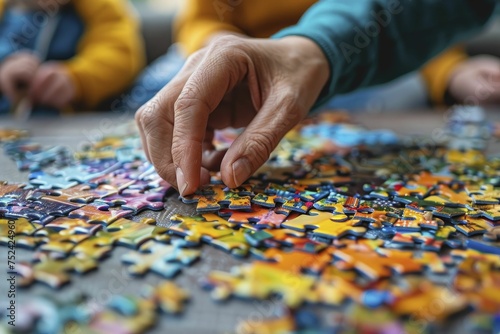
<point>220,70</point>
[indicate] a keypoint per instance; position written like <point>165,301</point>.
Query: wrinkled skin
<point>267,86</point>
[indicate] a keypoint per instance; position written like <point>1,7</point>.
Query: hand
<point>16,73</point>
<point>476,81</point>
<point>266,85</point>
<point>52,86</point>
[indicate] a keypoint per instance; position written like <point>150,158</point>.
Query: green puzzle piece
<point>164,260</point>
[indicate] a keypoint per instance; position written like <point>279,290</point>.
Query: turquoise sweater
<point>368,42</point>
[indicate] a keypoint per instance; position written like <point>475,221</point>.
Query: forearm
<point>437,73</point>
<point>373,41</point>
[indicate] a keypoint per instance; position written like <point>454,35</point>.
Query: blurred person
<point>268,85</point>
<point>455,78</point>
<point>64,54</point>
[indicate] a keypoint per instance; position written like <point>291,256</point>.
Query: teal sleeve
<point>369,42</point>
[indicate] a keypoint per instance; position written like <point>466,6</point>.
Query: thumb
<point>278,115</point>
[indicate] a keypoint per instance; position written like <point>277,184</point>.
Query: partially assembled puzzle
<point>403,237</point>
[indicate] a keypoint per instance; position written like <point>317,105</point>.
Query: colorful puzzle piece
<point>54,273</point>
<point>260,281</point>
<point>213,197</point>
<point>169,297</point>
<point>164,260</point>
<point>323,225</point>
<point>262,217</point>
<point>197,228</point>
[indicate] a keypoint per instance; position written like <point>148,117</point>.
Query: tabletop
<point>202,314</point>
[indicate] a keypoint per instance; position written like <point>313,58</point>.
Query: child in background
<point>61,54</point>
<point>454,77</point>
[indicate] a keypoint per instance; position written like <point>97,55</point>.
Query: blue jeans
<point>153,79</point>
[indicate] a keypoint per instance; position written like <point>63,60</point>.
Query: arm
<point>199,21</point>
<point>437,72</point>
<point>110,54</point>
<point>361,53</point>
<point>269,85</point>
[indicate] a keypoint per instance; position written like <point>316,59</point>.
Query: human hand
<point>16,73</point>
<point>52,86</point>
<point>476,81</point>
<point>266,85</point>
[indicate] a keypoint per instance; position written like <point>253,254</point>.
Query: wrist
<point>308,53</point>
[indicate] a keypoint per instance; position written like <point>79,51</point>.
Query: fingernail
<point>181,181</point>
<point>241,171</point>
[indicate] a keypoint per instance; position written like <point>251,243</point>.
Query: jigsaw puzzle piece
<point>21,212</point>
<point>283,237</point>
<point>281,325</point>
<point>58,243</point>
<point>493,234</point>
<point>132,234</point>
<point>236,243</point>
<point>54,273</point>
<point>204,227</point>
<point>83,173</point>
<point>296,261</point>
<point>73,226</point>
<point>51,314</point>
<point>93,247</point>
<point>93,214</point>
<point>168,296</point>
<point>164,260</point>
<point>213,197</point>
<point>48,181</point>
<point>125,315</point>
<point>375,266</point>
<point>429,180</point>
<point>376,220</point>
<point>473,226</point>
<point>19,226</point>
<point>432,261</point>
<point>491,212</point>
<point>322,225</point>
<point>418,303</point>
<point>135,201</point>
<point>260,281</point>
<point>260,216</point>
<point>84,194</point>
<point>12,134</point>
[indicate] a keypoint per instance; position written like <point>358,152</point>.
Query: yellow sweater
<point>200,19</point>
<point>110,53</point>
<point>437,72</point>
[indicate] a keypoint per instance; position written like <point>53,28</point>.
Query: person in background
<point>455,78</point>
<point>66,54</point>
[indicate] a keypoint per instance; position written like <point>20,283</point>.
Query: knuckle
<point>147,116</point>
<point>190,98</point>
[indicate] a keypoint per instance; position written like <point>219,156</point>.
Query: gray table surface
<point>202,315</point>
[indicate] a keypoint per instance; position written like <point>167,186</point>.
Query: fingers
<point>52,86</point>
<point>16,73</point>
<point>155,122</point>
<point>220,70</point>
<point>252,148</point>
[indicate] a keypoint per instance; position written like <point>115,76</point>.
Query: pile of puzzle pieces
<point>408,232</point>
